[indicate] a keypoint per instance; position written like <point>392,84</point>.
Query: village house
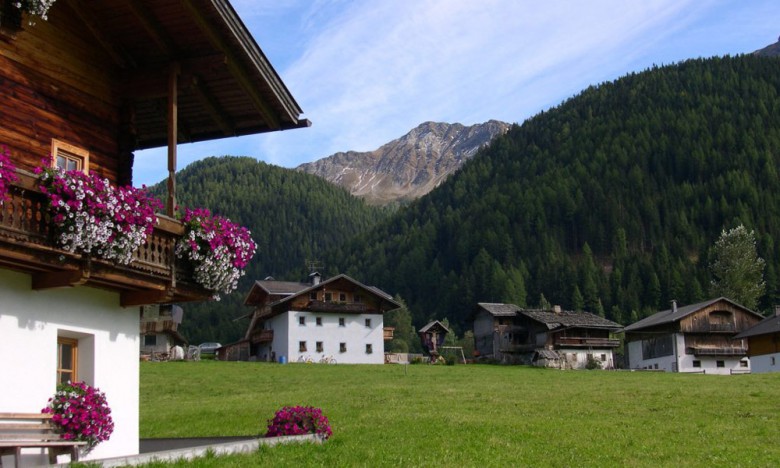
<point>549,338</point>
<point>160,329</point>
<point>699,337</point>
<point>337,318</point>
<point>763,342</point>
<point>90,85</point>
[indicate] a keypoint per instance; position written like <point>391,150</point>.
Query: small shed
<point>547,358</point>
<point>432,337</point>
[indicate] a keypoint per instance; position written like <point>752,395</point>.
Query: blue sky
<point>367,72</point>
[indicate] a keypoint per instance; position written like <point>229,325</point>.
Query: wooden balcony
<point>387,333</point>
<point>262,336</point>
<point>26,244</point>
<point>346,307</point>
<point>719,351</point>
<point>587,342</point>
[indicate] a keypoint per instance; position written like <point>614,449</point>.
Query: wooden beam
<point>84,14</point>
<point>215,111</point>
<point>173,129</point>
<point>145,297</point>
<point>234,65</point>
<point>153,27</point>
<point>60,279</point>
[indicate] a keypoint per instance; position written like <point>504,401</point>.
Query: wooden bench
<point>34,430</point>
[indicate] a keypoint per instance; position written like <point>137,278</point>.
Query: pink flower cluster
<point>299,420</point>
<point>94,217</point>
<point>7,172</point>
<point>82,413</point>
<point>218,249</point>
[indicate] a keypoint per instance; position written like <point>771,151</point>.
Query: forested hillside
<point>293,217</point>
<point>608,202</point>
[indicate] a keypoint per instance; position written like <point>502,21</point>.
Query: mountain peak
<point>407,167</point>
<point>772,50</point>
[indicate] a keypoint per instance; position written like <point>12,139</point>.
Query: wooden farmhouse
<point>550,338</point>
<point>696,338</point>
<point>338,318</point>
<point>160,329</point>
<point>432,337</point>
<point>89,85</point>
<point>763,342</point>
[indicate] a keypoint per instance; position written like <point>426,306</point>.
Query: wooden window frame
<point>74,356</point>
<point>70,152</point>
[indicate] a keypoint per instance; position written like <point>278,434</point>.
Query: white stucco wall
<point>288,333</point>
<point>765,363</point>
<point>108,335</point>
<point>681,362</point>
<point>577,358</point>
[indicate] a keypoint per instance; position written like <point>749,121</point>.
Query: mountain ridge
<point>408,167</point>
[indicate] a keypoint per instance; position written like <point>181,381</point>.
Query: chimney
<point>315,278</point>
<point>777,311</point>
<point>674,306</point>
<point>557,309</point>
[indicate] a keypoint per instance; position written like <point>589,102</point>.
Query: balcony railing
<point>27,245</point>
<point>719,351</point>
<point>262,336</point>
<point>590,342</point>
<point>327,306</point>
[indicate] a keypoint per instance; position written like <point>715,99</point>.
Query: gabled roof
<point>551,319</point>
<point>431,325</point>
<point>677,314</point>
<point>291,290</point>
<point>227,86</point>
<point>768,326</point>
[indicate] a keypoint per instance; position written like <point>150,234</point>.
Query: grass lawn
<point>471,415</point>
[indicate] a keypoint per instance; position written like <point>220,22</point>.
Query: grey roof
<point>551,319</point>
<point>767,326</point>
<point>282,287</point>
<point>670,315</point>
<point>500,310</point>
<point>430,325</point>
<point>546,354</point>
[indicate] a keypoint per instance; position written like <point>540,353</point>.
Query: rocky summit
<point>408,167</point>
<point>772,50</point>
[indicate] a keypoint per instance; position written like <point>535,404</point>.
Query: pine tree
<point>737,270</point>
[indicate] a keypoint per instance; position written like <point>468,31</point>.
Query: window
<point>68,157</point>
<point>368,323</point>
<point>342,297</point>
<point>67,358</point>
<point>696,363</point>
<point>720,363</point>
<point>150,340</point>
<point>342,347</point>
<point>302,346</point>
<point>743,363</point>
<point>369,348</point>
<point>319,346</point>
<point>357,298</point>
<point>772,361</point>
<point>302,320</point>
<point>312,296</point>
<point>319,321</point>
<point>328,297</point>
<point>341,321</point>
<point>603,357</point>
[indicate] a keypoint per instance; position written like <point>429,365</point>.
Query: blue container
<point>282,359</point>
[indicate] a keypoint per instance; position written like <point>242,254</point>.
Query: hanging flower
<point>39,8</point>
<point>7,172</point>
<point>82,413</point>
<point>93,217</point>
<point>218,250</point>
<point>299,420</point>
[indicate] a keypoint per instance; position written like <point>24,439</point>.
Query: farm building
<point>763,340</point>
<point>432,336</point>
<point>696,338</point>
<point>160,328</point>
<point>549,338</point>
<point>83,90</point>
<point>338,318</point>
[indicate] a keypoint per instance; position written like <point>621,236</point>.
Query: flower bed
<point>217,249</point>
<point>82,413</point>
<point>299,420</point>
<point>93,217</point>
<point>7,172</point>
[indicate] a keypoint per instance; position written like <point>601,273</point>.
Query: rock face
<point>772,50</point>
<point>409,167</point>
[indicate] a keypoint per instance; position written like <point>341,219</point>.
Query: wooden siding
<point>56,82</point>
<point>713,319</point>
<point>764,344</point>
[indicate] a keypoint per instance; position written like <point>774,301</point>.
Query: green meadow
<point>471,415</point>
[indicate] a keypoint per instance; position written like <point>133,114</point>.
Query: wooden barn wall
<point>56,82</point>
<point>699,322</point>
<point>764,344</point>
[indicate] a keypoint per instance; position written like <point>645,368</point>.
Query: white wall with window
<point>653,354</point>
<point>765,363</point>
<point>349,338</point>
<point>51,334</point>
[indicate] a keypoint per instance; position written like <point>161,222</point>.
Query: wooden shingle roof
<point>768,326</point>
<point>550,318</point>
<point>676,314</point>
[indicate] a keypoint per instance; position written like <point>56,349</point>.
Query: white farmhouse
<point>338,318</point>
<point>696,338</point>
<point>86,88</point>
